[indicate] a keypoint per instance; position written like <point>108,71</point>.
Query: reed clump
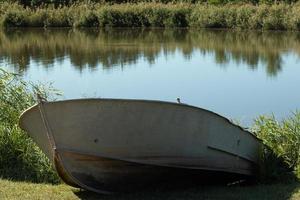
<point>148,14</point>
<point>20,158</point>
<point>99,15</point>
<point>247,17</point>
<point>281,154</point>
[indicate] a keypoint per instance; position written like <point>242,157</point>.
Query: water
<point>240,75</point>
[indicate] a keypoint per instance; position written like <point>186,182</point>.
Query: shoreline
<point>278,17</point>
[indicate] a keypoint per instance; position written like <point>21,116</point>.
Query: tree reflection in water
<point>110,48</point>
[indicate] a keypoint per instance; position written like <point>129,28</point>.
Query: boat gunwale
<point>138,100</point>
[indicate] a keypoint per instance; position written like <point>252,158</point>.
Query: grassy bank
<point>231,16</point>
<point>29,191</point>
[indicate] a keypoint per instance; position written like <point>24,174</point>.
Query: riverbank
<point>244,17</point>
<point>23,190</point>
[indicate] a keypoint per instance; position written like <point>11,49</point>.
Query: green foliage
<point>20,158</point>
<point>257,19</point>
<point>34,3</point>
<point>87,19</point>
<point>233,16</point>
<point>13,18</point>
<point>275,17</point>
<point>283,138</point>
<point>273,168</point>
<point>150,14</point>
<point>58,3</point>
<point>243,16</point>
<point>95,15</point>
<point>293,18</point>
<point>122,16</point>
<point>208,17</point>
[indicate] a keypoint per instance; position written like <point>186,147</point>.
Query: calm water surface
<point>237,74</point>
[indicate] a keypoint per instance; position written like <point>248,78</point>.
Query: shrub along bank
<point>244,17</point>
<point>20,158</point>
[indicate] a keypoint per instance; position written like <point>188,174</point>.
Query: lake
<point>240,75</point>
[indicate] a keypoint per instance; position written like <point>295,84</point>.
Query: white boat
<point>104,144</point>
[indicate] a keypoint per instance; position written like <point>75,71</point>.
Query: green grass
<point>21,190</point>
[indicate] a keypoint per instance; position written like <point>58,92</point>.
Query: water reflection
<point>117,47</point>
<point>223,71</point>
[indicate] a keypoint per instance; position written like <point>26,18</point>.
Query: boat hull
<point>106,144</point>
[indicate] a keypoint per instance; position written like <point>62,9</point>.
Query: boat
<point>103,145</point>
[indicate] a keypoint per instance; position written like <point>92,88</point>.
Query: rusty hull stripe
<point>62,172</point>
<point>93,157</point>
<point>70,179</point>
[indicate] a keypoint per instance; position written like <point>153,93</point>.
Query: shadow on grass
<point>275,180</point>
<point>171,191</point>
<point>27,174</point>
<point>206,185</point>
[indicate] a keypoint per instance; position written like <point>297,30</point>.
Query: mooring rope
<point>49,133</point>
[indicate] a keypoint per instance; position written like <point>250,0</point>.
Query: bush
<point>15,19</point>
<point>150,14</point>
<point>60,17</point>
<point>87,19</point>
<point>38,18</point>
<point>283,138</point>
<point>257,19</point>
<point>243,16</point>
<point>275,17</point>
<point>208,17</point>
<point>121,16</point>
<point>20,158</point>
<point>233,16</point>
<point>275,20</point>
<point>273,168</point>
<point>293,18</point>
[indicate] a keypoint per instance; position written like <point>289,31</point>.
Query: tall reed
<point>20,158</point>
<point>282,139</point>
<point>230,16</point>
